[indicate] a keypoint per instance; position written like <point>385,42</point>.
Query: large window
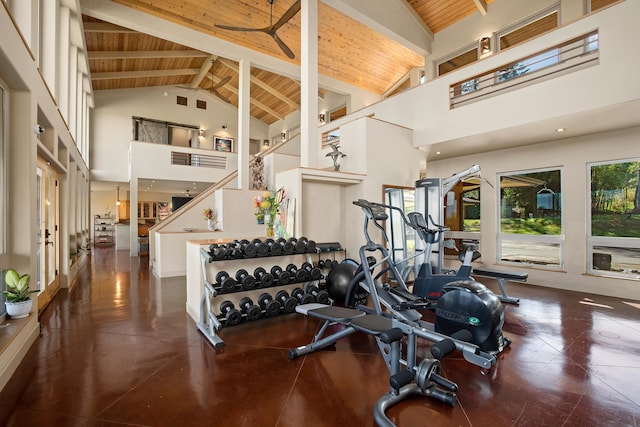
<point>614,219</point>
<point>531,218</point>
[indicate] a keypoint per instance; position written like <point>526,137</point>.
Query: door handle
<point>47,242</point>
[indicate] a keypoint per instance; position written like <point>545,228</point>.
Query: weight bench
<point>407,378</point>
<point>502,277</point>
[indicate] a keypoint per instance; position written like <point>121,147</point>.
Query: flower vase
<point>210,225</point>
<point>270,232</point>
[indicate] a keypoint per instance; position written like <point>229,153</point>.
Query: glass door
<point>48,233</point>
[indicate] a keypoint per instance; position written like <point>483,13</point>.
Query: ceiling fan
<point>272,28</point>
<point>214,87</point>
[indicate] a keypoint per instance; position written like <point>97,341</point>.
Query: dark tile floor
<point>119,349</point>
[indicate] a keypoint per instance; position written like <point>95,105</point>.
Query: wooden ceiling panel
<point>348,51</point>
<point>440,14</point>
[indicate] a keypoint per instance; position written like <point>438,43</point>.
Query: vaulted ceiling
<point>348,50</point>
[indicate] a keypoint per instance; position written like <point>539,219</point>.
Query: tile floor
<point>119,350</point>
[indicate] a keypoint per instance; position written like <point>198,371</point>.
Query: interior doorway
<point>48,234</point>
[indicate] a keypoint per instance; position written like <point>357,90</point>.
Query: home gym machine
<point>430,197</point>
<point>393,315</point>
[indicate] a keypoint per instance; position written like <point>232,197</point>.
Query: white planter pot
<point>17,310</point>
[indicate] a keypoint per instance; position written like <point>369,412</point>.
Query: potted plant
<point>18,302</point>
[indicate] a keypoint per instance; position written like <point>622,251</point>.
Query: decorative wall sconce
<point>283,136</point>
<point>265,143</point>
<point>200,132</point>
<point>485,45</point>
<point>321,117</point>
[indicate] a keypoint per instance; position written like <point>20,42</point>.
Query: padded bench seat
<point>496,274</point>
<point>502,277</point>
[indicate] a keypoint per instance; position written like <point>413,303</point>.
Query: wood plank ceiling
<point>347,50</point>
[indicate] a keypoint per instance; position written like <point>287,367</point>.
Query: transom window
<point>528,29</point>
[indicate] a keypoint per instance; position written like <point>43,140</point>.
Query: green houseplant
<point>18,302</point>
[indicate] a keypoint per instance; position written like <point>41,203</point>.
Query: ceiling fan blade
<point>283,46</point>
<point>221,83</point>
<point>232,28</point>
<point>219,95</point>
<point>290,13</point>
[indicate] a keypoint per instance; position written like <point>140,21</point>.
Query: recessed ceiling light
<point>560,130</point>
<point>437,153</point>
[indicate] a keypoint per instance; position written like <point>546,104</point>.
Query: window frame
<point>459,52</point>
<point>614,242</point>
<point>4,132</point>
<point>555,8</point>
<point>556,239</point>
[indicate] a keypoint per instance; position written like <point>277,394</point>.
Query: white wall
<point>572,155</point>
<point>112,123</point>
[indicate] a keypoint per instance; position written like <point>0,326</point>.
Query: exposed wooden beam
<point>482,6</point>
<point>263,85</point>
<point>204,69</point>
<point>105,27</point>
<point>254,102</point>
<point>129,54</point>
<point>139,74</point>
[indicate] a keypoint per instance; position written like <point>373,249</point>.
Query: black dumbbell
<point>298,274</point>
<point>264,279</point>
<point>252,311</point>
<point>289,303</point>
<point>283,277</point>
<point>270,306</point>
<point>226,283</point>
<point>230,313</point>
<point>247,281</point>
<point>318,295</point>
<point>217,252</point>
<point>299,245</point>
<point>301,296</point>
<point>262,248</point>
<point>275,249</point>
<point>312,248</point>
<point>288,248</point>
<point>314,273</point>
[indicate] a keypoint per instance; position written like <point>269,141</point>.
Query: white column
<point>309,84</point>
<point>244,121</point>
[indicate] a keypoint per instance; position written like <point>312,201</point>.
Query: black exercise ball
<point>338,281</point>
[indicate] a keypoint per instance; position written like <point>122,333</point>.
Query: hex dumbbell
<point>226,283</point>
<point>247,281</point>
<point>288,303</point>
<point>252,311</point>
<point>288,248</point>
<point>318,295</point>
<point>275,249</point>
<point>301,296</point>
<point>314,273</point>
<point>262,248</point>
<point>282,277</point>
<point>298,274</point>
<point>299,245</point>
<point>230,313</point>
<point>270,306</point>
<point>264,279</point>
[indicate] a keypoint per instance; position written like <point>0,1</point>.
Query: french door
<point>48,251</point>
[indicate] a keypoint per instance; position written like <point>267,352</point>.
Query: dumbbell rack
<point>210,323</point>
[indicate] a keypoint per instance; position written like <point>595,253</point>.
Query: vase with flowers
<point>266,206</point>
<point>207,213</point>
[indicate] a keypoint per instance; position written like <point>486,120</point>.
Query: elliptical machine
<point>464,304</point>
